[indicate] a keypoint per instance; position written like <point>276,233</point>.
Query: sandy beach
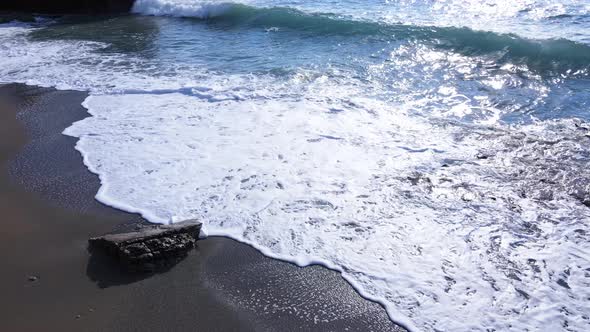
<point>50,283</point>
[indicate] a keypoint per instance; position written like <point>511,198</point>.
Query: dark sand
<point>48,212</point>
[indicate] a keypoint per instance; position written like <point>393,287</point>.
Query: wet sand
<point>49,212</point>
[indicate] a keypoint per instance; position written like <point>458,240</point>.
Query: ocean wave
<point>198,9</point>
<point>548,56</point>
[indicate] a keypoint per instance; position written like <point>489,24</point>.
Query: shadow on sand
<point>107,271</point>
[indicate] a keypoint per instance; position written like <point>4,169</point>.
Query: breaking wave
<point>546,56</point>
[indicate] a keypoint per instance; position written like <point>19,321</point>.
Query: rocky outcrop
<point>150,246</point>
<point>67,6</point>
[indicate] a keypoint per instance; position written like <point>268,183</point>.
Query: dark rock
<point>150,246</point>
<point>482,155</point>
<point>67,6</point>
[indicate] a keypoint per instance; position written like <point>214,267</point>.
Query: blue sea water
<point>434,152</point>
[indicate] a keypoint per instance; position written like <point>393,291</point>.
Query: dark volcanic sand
<point>48,213</point>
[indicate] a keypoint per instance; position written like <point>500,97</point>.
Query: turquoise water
<point>500,39</point>
<point>528,50</point>
<point>434,152</point>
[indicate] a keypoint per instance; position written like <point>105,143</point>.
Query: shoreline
<point>48,200</point>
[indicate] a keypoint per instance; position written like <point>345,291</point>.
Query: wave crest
<point>197,9</point>
<point>552,56</point>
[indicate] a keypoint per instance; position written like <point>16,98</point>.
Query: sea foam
<point>183,8</point>
<point>426,203</point>
<point>403,207</point>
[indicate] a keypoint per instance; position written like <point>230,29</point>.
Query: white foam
<point>182,8</point>
<point>361,191</point>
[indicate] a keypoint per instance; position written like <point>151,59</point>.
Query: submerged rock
<point>150,246</point>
